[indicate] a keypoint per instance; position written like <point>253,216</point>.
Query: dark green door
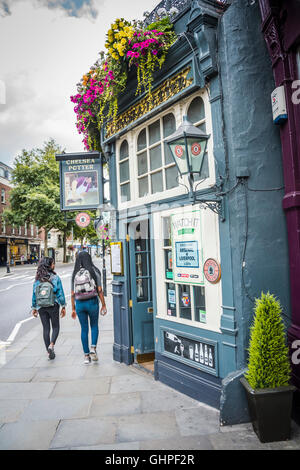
<point>141,287</point>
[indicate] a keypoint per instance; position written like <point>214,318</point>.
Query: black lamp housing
<point>188,145</point>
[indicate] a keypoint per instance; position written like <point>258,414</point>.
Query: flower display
<point>128,45</point>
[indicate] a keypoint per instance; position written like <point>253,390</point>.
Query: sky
<point>46,46</point>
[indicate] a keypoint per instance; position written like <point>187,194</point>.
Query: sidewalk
<point>64,404</point>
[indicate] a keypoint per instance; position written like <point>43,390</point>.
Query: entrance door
<point>141,287</point>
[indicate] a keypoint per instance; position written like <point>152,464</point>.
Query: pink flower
<point>154,52</point>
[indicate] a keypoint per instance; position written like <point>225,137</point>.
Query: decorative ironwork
<point>180,5</point>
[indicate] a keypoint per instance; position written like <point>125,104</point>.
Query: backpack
<point>44,293</point>
<point>84,285</point>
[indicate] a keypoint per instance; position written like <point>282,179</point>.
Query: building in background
<point>18,245</point>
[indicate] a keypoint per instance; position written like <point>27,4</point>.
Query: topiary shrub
<point>268,363</point>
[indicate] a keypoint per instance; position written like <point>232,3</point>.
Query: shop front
<point>190,258</point>
<point>3,251</point>
<point>18,249</point>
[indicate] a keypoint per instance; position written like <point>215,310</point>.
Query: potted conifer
<point>267,380</point>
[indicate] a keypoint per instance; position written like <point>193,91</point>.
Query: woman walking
<point>85,290</point>
<point>48,295</point>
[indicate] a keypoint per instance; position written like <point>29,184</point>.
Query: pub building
<point>188,264</point>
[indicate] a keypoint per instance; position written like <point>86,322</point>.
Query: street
<point>16,294</point>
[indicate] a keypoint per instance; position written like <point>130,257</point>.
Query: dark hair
<point>44,269</point>
<point>84,260</point>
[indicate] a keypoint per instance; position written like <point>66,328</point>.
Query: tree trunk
<point>46,242</point>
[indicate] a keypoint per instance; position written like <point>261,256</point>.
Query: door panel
<point>141,286</point>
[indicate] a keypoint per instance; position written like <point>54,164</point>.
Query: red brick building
<point>17,244</point>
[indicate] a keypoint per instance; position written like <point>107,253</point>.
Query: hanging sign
<point>80,181</point>
<point>187,248</point>
<point>212,271</point>
<point>83,220</point>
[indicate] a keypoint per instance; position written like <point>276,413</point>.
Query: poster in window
<point>198,352</point>
<point>187,247</point>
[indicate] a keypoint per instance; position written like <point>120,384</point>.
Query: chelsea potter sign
<point>187,248</point>
<point>80,181</point>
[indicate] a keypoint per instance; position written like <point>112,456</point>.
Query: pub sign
<point>80,181</point>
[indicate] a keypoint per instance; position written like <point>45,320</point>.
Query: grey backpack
<point>45,294</point>
<point>84,285</point>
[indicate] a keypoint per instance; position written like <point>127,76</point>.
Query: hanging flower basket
<point>129,45</point>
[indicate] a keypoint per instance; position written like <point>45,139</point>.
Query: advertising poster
<point>187,248</point>
<point>80,184</point>
<point>195,351</point>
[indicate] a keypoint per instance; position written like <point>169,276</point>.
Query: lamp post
<point>188,146</point>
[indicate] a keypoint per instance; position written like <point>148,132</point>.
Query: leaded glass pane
<point>142,140</point>
<point>196,110</point>
<point>157,182</point>
<point>154,132</point>
<point>169,125</point>
<point>155,158</point>
<point>142,163</point>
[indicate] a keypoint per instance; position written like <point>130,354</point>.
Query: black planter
<point>270,411</point>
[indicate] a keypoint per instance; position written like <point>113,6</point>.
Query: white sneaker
<point>93,354</point>
<point>87,359</point>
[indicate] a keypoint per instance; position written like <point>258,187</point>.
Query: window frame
<point>178,109</point>
<point>120,162</point>
<point>213,292</point>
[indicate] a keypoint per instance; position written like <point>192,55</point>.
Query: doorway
<point>141,302</point>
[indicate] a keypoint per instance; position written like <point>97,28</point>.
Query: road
<point>16,295</point>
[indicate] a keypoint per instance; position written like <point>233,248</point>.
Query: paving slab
<point>84,432</point>
<point>11,410</point>
<point>32,391</point>
<point>197,421</point>
<point>17,375</point>
<point>143,427</point>
<point>56,374</point>
<point>103,369</point>
<point>134,382</point>
<point>27,436</point>
<point>57,408</point>
<point>78,388</point>
<point>119,446</point>
<point>166,400</point>
<point>178,443</point>
<point>116,405</point>
<point>21,362</point>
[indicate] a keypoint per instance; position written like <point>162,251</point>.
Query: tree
<point>35,197</point>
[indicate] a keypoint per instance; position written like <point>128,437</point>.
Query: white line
<point>16,329</point>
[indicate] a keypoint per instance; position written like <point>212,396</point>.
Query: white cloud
<point>43,54</point>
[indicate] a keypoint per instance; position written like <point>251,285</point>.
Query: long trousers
<point>88,312</point>
<point>50,317</point>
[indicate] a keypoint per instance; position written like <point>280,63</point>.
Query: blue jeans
<point>88,310</point>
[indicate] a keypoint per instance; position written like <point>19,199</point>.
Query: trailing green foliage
<point>268,364</point>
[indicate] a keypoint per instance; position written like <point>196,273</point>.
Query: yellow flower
<point>121,24</point>
<point>123,41</point>
<point>114,26</point>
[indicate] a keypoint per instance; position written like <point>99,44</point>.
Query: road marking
<point>14,333</point>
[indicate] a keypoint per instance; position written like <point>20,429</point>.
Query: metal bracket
<point>217,205</point>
